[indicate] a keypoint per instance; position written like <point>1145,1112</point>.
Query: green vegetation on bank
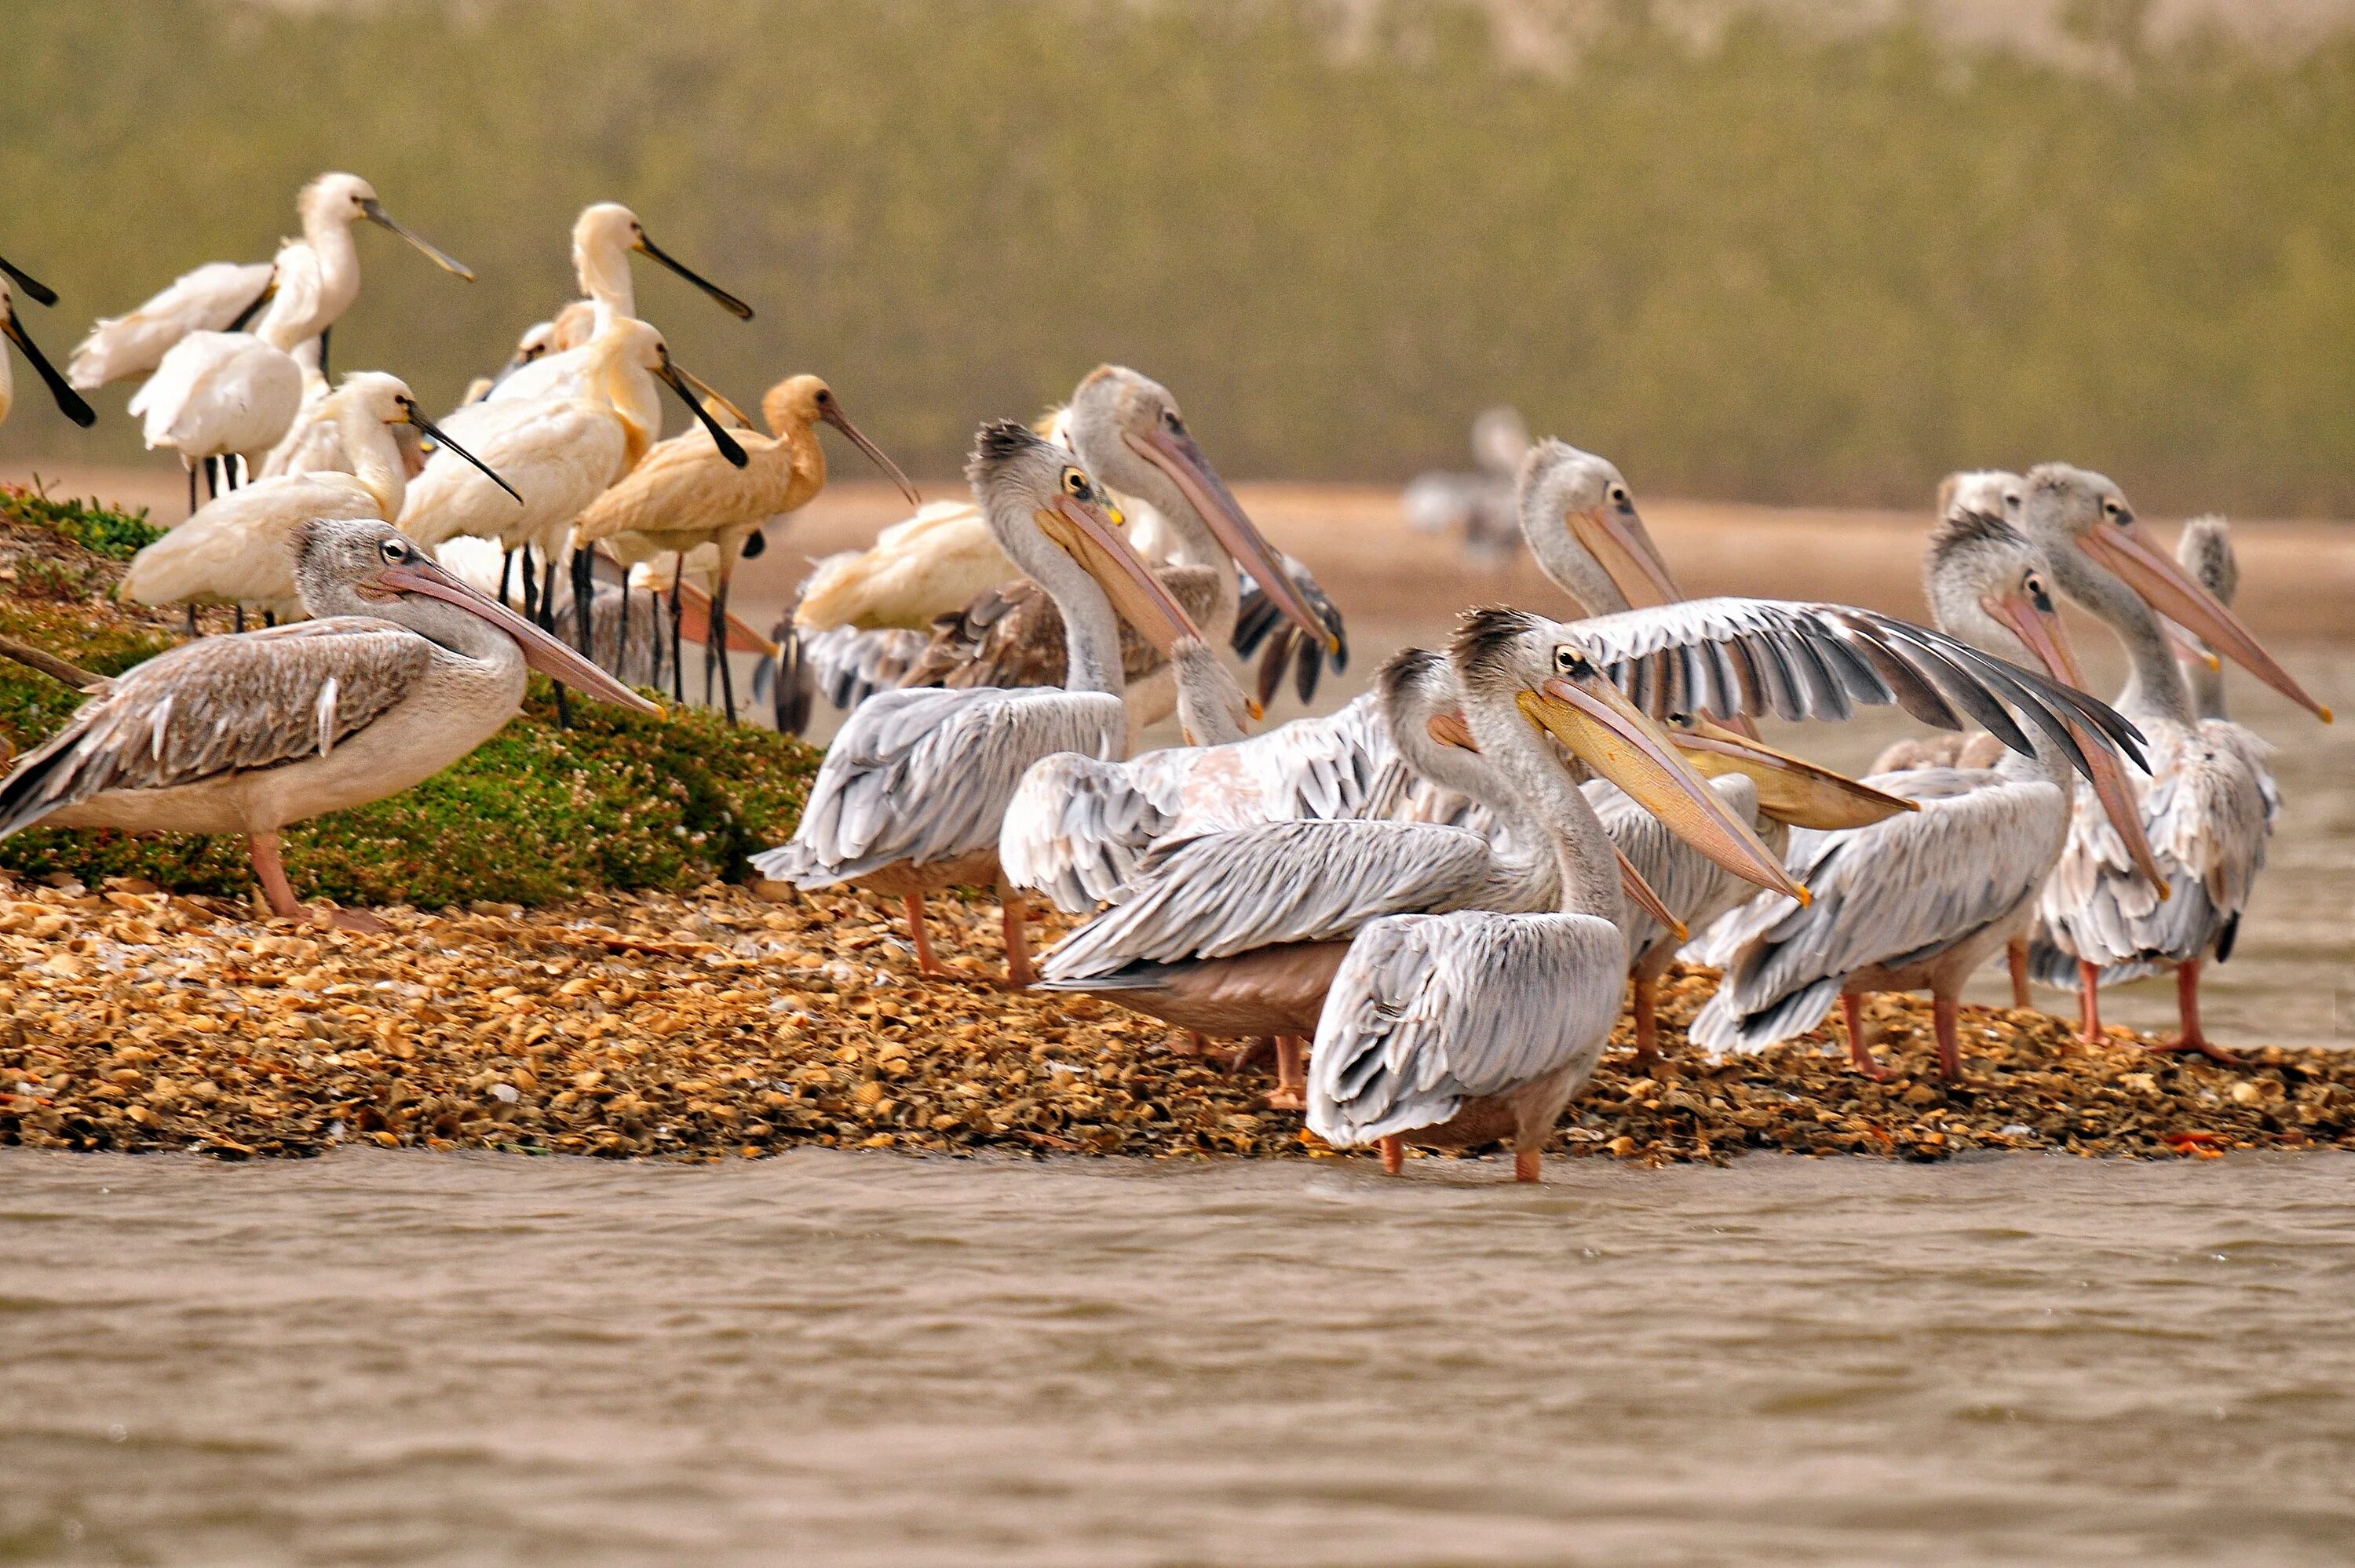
<point>535,815</point>
<point>1775,262</point>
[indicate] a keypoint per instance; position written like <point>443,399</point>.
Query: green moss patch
<point>535,815</point>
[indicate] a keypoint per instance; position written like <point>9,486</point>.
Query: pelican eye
<point>1619,495</point>
<point>394,551</point>
<point>1076,484</point>
<point>2034,588</point>
<point>1169,417</point>
<point>1571,661</point>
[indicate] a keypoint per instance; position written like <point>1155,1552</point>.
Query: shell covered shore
<point>720,1023</point>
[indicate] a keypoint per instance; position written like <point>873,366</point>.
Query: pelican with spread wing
<point>1923,900</point>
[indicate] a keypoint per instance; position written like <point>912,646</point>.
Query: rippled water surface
<point>826,1358</point>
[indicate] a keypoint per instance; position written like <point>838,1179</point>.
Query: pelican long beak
<point>1790,789</point>
<point>2041,630</point>
<point>833,415</point>
<point>1175,453</point>
<point>440,439</point>
<point>441,257</point>
<point>541,651</point>
<point>2174,594</point>
<point>70,402</point>
<point>1639,893</point>
<point>676,381</point>
<point>1091,538</point>
<point>2190,649</point>
<point>1619,543</point>
<point>1614,737</point>
<point>40,293</point>
<point>728,302</point>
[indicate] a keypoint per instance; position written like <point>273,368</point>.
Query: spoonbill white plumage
<point>233,394</point>
<point>406,670</point>
<point>604,238</point>
<point>238,549</point>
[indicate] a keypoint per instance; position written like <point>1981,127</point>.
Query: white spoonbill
<point>604,236</point>
<point>238,549</point>
<point>406,670</point>
<point>912,793</point>
<point>233,394</point>
<point>69,401</point>
<point>2204,807</point>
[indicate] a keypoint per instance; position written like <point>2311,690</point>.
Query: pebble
<point>727,1023</point>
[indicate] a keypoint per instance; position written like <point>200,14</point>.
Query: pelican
<point>1126,429</point>
<point>1460,1027</point>
<point>1215,932</point>
<point>222,394</point>
<point>406,670</point>
<point>560,452</point>
<point>1923,899</point>
<point>69,401</point>
<point>684,494</point>
<point>910,797</point>
<point>604,236</point>
<point>940,567</point>
<point>1481,503</point>
<point>238,549</point>
<point>2204,807</point>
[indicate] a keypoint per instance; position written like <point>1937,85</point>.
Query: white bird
<point>68,402</point>
<point>1459,1028</point>
<point>238,549</point>
<point>2204,806</point>
<point>560,453</point>
<point>912,793</point>
<point>1922,900</point>
<point>406,670</point>
<point>604,236</point>
<point>312,443</point>
<point>233,394</point>
<point>211,298</point>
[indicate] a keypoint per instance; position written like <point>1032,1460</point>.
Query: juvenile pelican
<point>1923,899</point>
<point>69,401</point>
<point>685,493</point>
<point>910,795</point>
<point>223,394</point>
<point>604,236</point>
<point>238,549</point>
<point>406,670</point>
<point>1456,1029</point>
<point>2203,807</point>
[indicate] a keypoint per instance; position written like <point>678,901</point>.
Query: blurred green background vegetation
<point>1779,263</point>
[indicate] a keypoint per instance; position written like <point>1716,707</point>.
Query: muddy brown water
<point>838,1359</point>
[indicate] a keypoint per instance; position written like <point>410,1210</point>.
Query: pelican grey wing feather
<point>1897,892</point>
<point>217,706</point>
<point>2206,810</point>
<point>1429,1011</point>
<point>926,775</point>
<point>1814,661</point>
<point>847,664</point>
<point>1078,825</point>
<point>1216,894</point>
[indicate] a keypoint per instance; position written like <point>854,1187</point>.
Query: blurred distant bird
<point>684,494</point>
<point>604,236</point>
<point>1481,503</point>
<point>69,401</point>
<point>234,394</point>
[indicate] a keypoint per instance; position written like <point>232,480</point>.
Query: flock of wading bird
<point>1430,901</point>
